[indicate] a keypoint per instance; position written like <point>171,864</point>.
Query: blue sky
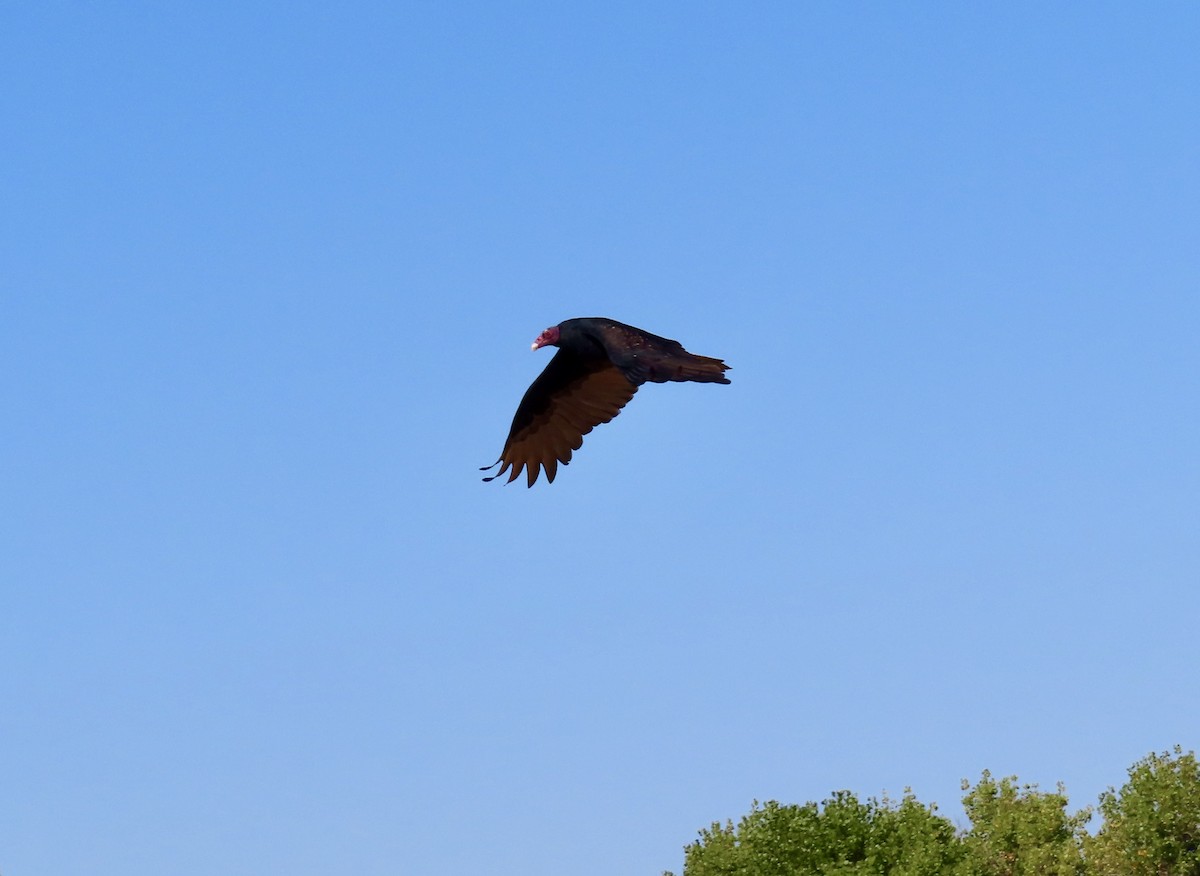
<point>269,277</point>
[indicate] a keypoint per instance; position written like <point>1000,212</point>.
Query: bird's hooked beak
<point>548,338</point>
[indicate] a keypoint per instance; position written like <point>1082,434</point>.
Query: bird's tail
<point>700,369</point>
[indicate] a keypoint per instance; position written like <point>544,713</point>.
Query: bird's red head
<point>548,338</point>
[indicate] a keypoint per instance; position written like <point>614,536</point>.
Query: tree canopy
<point>1150,827</point>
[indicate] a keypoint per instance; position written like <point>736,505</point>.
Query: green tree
<point>1151,828</point>
<point>912,840</point>
<point>1021,831</point>
<point>1152,825</point>
<point>841,837</point>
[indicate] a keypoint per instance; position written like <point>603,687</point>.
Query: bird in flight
<point>599,365</point>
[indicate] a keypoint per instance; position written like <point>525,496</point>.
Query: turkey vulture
<point>599,365</point>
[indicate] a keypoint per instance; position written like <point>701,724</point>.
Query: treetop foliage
<point>1151,827</point>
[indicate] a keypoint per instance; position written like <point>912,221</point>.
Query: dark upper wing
<point>643,356</point>
<point>570,397</point>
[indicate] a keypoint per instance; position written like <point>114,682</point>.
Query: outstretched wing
<point>569,398</point>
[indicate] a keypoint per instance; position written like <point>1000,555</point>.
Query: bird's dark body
<point>599,365</point>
